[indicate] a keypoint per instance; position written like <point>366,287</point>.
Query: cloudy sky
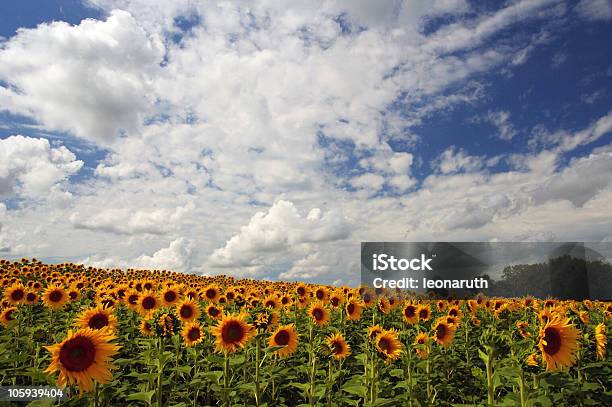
<point>268,139</point>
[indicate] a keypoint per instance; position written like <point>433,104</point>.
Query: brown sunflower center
<point>320,294</point>
<point>213,312</point>
<point>453,312</point>
<point>170,296</point>
<point>30,297</point>
<point>193,334</point>
<point>77,354</point>
<point>55,296</point>
<point>318,314</point>
<point>270,304</point>
<point>350,308</point>
<point>384,344</point>
<point>232,332</point>
<point>334,301</point>
<point>186,311</point>
<point>301,291</point>
<point>552,337</point>
<point>423,314</point>
<point>367,298</point>
<point>132,299</point>
<point>440,331</point>
<point>98,321</point>
<point>211,293</point>
<point>410,311</point>
<point>336,347</point>
<point>148,303</point>
<point>9,315</point>
<point>282,338</point>
<point>73,294</point>
<point>17,295</point>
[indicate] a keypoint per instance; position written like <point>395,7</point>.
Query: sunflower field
<point>113,337</point>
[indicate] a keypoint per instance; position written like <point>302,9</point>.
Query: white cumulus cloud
<point>92,79</point>
<point>281,229</point>
<point>31,167</point>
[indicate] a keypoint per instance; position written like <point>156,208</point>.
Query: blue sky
<point>269,140</point>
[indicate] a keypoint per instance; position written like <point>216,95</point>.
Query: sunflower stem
<point>257,363</point>
<point>330,372</point>
<point>313,366</point>
<point>195,372</point>
<point>96,403</point>
<point>160,368</point>
<point>409,358</point>
<point>226,381</point>
<point>490,383</point>
<point>522,388</point>
<point>428,372</point>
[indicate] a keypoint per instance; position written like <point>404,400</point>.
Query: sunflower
<point>301,290</point>
<point>353,309</point>
<point>170,296</point>
<point>367,298</point>
<point>423,312</point>
<point>192,334</point>
<point>318,313</point>
<point>15,294</point>
<point>473,306</point>
<point>545,315</point>
<point>131,299</point>
<point>286,301</point>
<point>74,294</point>
<point>410,313</point>
<point>335,300</point>
<point>99,317</point>
<point>383,305</point>
<point>455,311</point>
<point>321,293</point>
<point>31,297</point>
<point>285,336</point>
<point>6,316</point>
<point>148,302</point>
<point>271,301</point>
<point>214,311</point>
<point>601,340</point>
<point>232,333</point>
<point>148,285</point>
<point>167,325</point>
<point>532,360</point>
<point>338,346</point>
<point>55,297</point>
<point>452,320</point>
<point>559,342</point>
<point>389,345</point>
<point>522,329</point>
<point>421,343</point>
<point>444,333</point>
<point>84,356</point>
<point>584,317</point>
<point>373,331</point>
<point>146,329</point>
<point>211,293</point>
<point>188,310</point>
